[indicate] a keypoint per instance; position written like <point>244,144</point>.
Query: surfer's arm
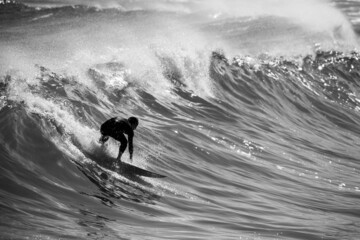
<point>130,140</point>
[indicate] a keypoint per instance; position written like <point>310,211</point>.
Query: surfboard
<point>126,168</point>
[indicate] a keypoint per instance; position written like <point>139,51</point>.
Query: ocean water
<point>250,108</point>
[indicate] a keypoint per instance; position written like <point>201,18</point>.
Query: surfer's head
<point>134,122</point>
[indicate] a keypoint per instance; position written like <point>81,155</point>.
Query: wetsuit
<point>115,128</point>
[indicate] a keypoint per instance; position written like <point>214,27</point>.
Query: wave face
<point>250,110</point>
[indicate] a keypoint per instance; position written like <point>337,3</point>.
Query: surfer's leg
<point>123,144</point>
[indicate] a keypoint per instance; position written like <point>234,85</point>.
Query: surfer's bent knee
<point>123,143</point>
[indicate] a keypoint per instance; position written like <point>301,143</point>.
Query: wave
<point>262,109</point>
<point>256,140</point>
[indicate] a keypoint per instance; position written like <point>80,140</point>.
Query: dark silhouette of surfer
<point>116,128</point>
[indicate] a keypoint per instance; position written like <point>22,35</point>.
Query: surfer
<point>116,128</point>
